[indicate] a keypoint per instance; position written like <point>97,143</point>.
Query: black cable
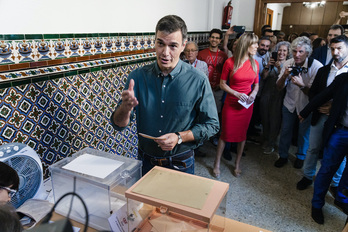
<point>49,215</point>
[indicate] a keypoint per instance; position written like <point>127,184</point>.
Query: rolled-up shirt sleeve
<point>208,120</point>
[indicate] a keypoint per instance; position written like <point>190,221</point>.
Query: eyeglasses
<point>11,192</point>
<point>213,37</point>
<point>191,50</point>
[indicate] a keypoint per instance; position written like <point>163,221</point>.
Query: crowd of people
<point>291,88</point>
<point>224,91</point>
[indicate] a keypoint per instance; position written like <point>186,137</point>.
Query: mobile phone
<point>274,56</point>
<point>239,29</point>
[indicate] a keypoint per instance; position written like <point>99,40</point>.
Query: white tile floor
<point>266,196</point>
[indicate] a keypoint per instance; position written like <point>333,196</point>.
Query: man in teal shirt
<point>171,100</point>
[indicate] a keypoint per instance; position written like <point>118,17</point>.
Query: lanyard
<point>216,58</point>
<point>196,61</point>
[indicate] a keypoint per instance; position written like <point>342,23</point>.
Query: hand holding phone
<point>239,29</point>
<point>274,56</point>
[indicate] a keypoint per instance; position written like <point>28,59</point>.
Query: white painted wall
<point>101,16</point>
<point>245,14</point>
<point>278,10</point>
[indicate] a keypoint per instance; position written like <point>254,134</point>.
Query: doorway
<point>269,17</point>
<point>261,11</point>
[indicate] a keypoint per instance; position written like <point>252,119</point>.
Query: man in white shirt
<point>297,76</point>
<point>191,52</point>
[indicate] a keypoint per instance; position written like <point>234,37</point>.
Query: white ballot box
<point>100,178</point>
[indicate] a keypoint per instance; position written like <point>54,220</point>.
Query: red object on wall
<point>227,16</point>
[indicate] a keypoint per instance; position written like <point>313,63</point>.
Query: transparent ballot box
<point>100,178</point>
<point>174,199</point>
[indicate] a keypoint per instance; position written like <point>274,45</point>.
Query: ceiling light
<point>314,4</point>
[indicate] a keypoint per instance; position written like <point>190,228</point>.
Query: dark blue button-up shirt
<point>180,101</point>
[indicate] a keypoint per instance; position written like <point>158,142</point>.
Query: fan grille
<point>30,176</point>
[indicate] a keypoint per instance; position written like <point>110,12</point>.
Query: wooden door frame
<point>270,12</point>
<point>261,7</point>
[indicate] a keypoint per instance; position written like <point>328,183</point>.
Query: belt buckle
<point>160,161</point>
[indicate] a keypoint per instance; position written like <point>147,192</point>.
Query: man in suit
<point>324,77</point>
<point>323,53</point>
<point>335,140</point>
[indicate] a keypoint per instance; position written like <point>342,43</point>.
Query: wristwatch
<point>179,137</point>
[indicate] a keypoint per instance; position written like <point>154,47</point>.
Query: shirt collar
<point>334,66</point>
<point>305,64</point>
<point>173,73</point>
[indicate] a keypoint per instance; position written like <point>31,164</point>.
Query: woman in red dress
<point>241,70</point>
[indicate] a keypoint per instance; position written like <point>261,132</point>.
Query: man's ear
<point>184,45</point>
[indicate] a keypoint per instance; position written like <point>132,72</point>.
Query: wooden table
<point>230,225</point>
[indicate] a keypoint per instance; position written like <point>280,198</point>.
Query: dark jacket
<point>338,92</point>
<point>319,84</point>
<point>320,54</point>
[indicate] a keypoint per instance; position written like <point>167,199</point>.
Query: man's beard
<point>262,51</point>
<point>339,59</point>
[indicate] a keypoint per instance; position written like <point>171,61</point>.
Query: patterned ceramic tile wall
<point>61,116</point>
<point>57,92</point>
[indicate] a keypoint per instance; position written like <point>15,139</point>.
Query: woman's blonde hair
<point>244,42</point>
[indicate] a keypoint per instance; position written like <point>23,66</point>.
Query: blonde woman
<point>241,71</point>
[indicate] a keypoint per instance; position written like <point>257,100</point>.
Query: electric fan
<point>27,163</point>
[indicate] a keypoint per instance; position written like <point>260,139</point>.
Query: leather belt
<point>176,160</point>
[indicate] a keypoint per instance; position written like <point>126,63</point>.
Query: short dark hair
<point>172,23</point>
<point>266,30</point>
<point>335,27</point>
<point>265,27</point>
<point>305,33</point>
<point>317,42</point>
<point>8,177</point>
<point>217,31</point>
<point>265,38</point>
<point>339,39</point>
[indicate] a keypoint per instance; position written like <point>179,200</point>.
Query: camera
<point>295,71</point>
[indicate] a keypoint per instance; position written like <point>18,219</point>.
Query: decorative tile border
<point>17,51</point>
<point>11,79</point>
<point>38,50</point>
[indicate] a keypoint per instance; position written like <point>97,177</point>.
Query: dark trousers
<point>334,153</point>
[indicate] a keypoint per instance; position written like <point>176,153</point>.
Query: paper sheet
<point>175,187</point>
<point>35,209</point>
<point>93,165</point>
<point>149,136</point>
<point>246,105</point>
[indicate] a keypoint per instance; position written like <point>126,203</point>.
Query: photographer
<point>296,76</point>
